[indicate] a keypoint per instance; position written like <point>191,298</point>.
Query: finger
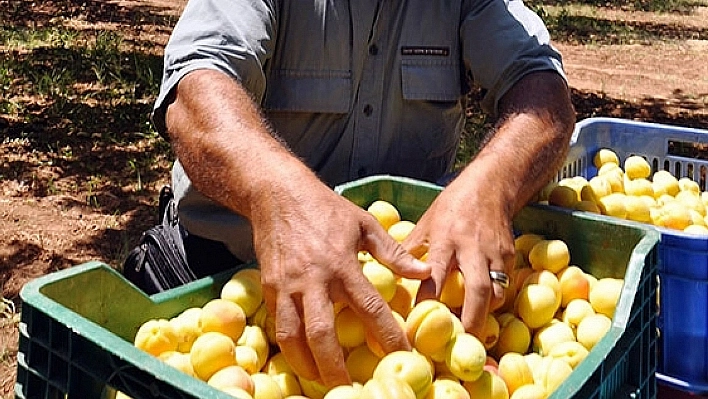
<point>426,290</point>
<point>498,296</point>
<point>478,291</point>
<point>416,242</point>
<point>504,265</point>
<point>322,338</point>
<point>376,315</point>
<point>270,296</point>
<point>389,252</point>
<point>292,340</point>
<point>440,262</point>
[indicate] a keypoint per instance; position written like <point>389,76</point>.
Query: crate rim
<point>579,125</point>
<point>107,341</point>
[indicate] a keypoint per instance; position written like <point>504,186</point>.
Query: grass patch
<point>582,24</point>
<point>682,7</point>
<point>477,126</point>
<point>585,23</point>
<point>8,312</point>
<point>81,100</point>
<point>93,79</point>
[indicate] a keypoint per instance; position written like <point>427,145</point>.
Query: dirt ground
<point>44,230</point>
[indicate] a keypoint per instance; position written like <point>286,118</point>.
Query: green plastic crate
<point>623,363</point>
<point>77,324</point>
<point>77,330</point>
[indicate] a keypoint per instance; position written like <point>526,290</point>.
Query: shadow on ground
<point>74,117</point>
<point>674,111</point>
<point>33,14</point>
<point>682,7</point>
<point>84,124</point>
<point>578,29</point>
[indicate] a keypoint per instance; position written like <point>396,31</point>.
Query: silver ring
<point>500,278</point>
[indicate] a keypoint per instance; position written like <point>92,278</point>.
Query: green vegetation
<point>654,6</point>
<point>70,74</point>
<point>71,91</point>
<point>8,311</point>
<point>82,99</point>
<point>9,316</point>
<point>584,22</point>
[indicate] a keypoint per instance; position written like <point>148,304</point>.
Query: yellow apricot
<point>224,316</point>
<point>563,196</point>
<point>453,290</point>
<point>515,371</point>
<point>605,294</point>
<point>573,284</point>
<point>381,277</point>
<point>552,255</point>
<point>571,352</point>
<point>385,212</point>
<point>156,336</point>
<point>597,188</point>
<point>576,310</point>
<point>487,386</point>
<point>514,335</point>
<point>390,388</point>
<point>636,167</point>
<point>637,209</point>
<point>409,367</point>
<point>592,328</point>
<point>232,376</point>
<point>688,184</point>
<point>536,305</point>
<point>211,352</point>
<point>350,329</point>
<point>603,156</point>
<point>613,205</point>
<point>400,230</point>
<point>466,357</point>
<point>638,187</point>
<point>429,327</point>
<point>244,289</point>
<point>404,298</point>
<point>265,387</point>
<point>361,363</point>
<point>550,335</point>
<point>552,372</point>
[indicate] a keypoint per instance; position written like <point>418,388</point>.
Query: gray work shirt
<point>355,88</point>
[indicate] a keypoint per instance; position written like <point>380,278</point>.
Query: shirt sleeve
<point>234,37</point>
<point>502,41</point>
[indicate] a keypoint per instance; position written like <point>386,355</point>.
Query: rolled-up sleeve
<point>231,36</point>
<point>502,42</point>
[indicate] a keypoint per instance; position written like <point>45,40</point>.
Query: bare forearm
<point>224,144</point>
<point>531,141</point>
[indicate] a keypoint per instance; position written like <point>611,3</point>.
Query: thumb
<point>389,252</point>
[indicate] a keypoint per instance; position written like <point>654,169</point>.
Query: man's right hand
<point>307,248</point>
<point>306,236</point>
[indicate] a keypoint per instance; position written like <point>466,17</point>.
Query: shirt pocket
<point>311,92</point>
<point>430,81</point>
<point>432,111</point>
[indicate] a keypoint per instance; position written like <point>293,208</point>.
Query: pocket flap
<point>316,92</point>
<point>431,82</point>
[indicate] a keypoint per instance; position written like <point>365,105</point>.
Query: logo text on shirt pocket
<point>425,50</point>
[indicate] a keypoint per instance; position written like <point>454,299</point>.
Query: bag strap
<point>165,256</point>
<point>159,262</point>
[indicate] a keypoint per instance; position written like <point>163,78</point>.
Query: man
<point>269,104</point>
